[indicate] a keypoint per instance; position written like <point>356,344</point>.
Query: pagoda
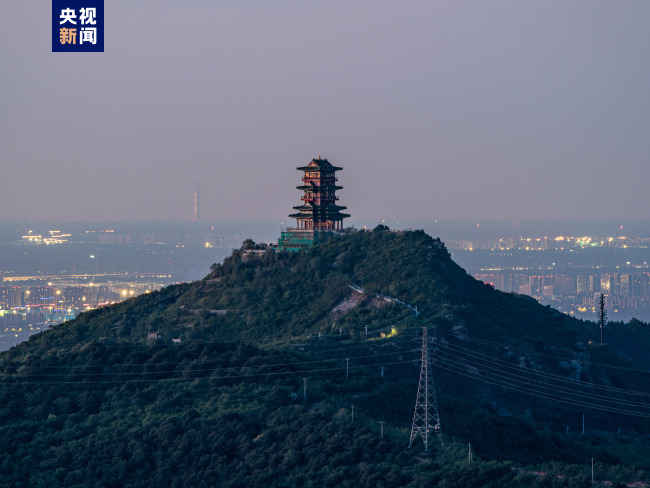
<point>319,212</point>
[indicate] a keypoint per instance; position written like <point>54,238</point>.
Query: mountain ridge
<point>509,372</point>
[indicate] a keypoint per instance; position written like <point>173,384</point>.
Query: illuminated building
<point>606,283</point>
<point>11,297</point>
<point>594,284</point>
<point>581,284</point>
<point>564,285</point>
<point>639,286</point>
<point>56,237</point>
<point>624,285</point>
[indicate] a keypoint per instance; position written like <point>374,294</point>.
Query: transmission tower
<point>602,315</point>
<point>426,420</point>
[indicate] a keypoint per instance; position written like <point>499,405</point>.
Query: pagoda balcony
<point>322,180</point>
<point>305,197</point>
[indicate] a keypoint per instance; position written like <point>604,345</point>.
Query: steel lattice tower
<point>426,419</point>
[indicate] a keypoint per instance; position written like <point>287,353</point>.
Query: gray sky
<point>448,110</point>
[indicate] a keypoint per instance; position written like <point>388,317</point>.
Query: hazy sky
<point>448,110</point>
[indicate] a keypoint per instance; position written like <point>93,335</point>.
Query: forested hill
<point>248,377</point>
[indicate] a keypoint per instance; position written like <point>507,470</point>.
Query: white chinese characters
<point>68,15</point>
<point>88,16</point>
<point>88,34</point>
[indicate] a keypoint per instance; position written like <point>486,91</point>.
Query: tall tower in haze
<point>196,216</point>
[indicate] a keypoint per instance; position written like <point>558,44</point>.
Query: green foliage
<point>95,402</point>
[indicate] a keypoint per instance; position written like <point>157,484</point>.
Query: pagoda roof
<point>319,212</point>
<point>309,186</point>
<point>319,188</point>
<point>312,207</point>
<point>307,207</point>
<point>329,216</point>
<point>332,207</point>
<point>319,165</point>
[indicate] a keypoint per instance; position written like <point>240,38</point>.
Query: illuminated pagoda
<point>319,212</point>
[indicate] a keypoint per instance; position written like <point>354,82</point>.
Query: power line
<point>338,347</point>
<point>201,370</point>
<point>253,343</point>
<point>460,370</point>
<point>520,377</point>
<point>497,380</point>
<point>542,373</point>
<point>213,378</point>
<point>543,354</point>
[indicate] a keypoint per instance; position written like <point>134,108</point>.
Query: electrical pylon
<point>426,419</point>
<point>602,315</point>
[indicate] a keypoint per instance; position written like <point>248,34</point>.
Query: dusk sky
<point>436,110</point>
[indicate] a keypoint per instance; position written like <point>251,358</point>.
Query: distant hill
<point>203,384</point>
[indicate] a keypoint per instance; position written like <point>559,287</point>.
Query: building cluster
<point>54,237</point>
<point>110,237</point>
<point>29,308</point>
<point>77,297</point>
<point>558,243</point>
<point>625,292</point>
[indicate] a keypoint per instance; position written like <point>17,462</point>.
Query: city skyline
<point>504,110</point>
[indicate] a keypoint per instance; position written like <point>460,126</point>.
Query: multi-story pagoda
<point>319,210</point>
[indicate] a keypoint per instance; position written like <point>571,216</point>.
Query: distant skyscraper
<point>606,283</point>
<point>624,285</point>
<point>639,285</point>
<point>196,216</point>
<point>594,284</point>
<point>581,284</point>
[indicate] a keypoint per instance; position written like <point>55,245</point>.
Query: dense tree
<point>95,402</point>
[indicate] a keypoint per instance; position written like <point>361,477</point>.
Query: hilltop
<point>204,382</point>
